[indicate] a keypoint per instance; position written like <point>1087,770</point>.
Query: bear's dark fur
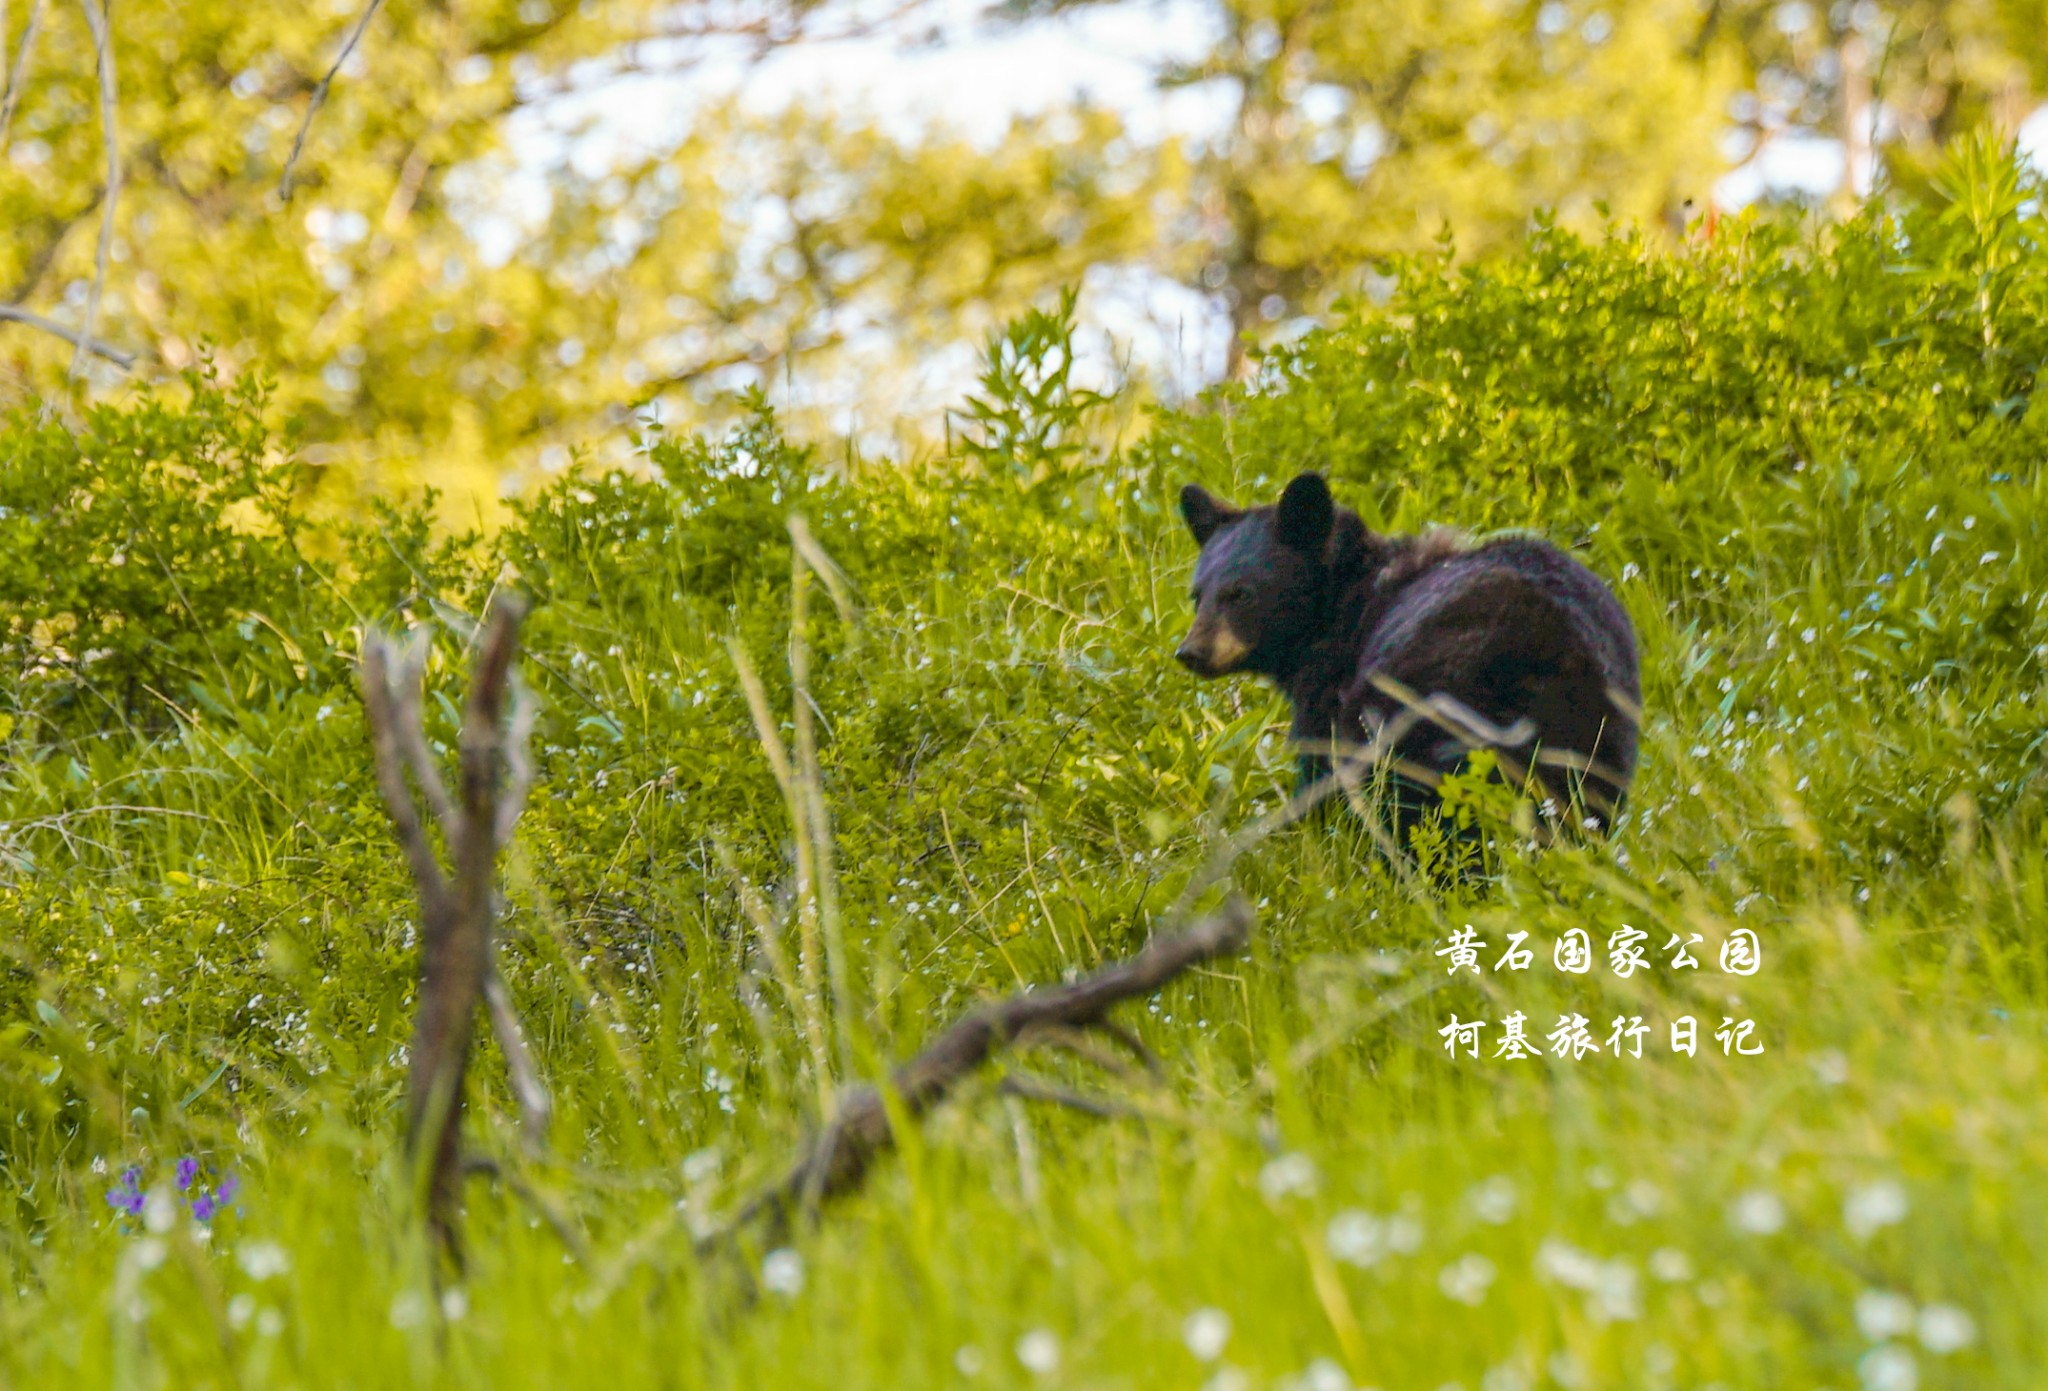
<point>1341,619</point>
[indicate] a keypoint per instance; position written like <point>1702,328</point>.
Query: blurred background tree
<point>509,237</point>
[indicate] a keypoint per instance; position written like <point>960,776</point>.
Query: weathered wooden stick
<point>838,1158</point>
<point>458,972</point>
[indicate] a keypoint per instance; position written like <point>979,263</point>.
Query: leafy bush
<point>128,549</point>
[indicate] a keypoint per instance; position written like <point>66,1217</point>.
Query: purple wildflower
<point>187,1171</point>
<point>212,1202</point>
<point>126,1196</point>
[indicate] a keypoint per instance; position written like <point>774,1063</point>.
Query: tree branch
<point>408,692</point>
<point>14,313</point>
<point>457,966</point>
<point>382,709</point>
<point>19,71</point>
<point>1030,1088</point>
<point>838,1158</point>
<point>103,46</point>
<point>535,1107</point>
<point>348,46</point>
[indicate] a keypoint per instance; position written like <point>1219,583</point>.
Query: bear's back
<point>1496,588</point>
<point>1513,628</point>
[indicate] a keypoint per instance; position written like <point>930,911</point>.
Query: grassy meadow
<point>1808,460</point>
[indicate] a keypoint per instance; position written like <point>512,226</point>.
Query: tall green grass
<point>1810,462</point>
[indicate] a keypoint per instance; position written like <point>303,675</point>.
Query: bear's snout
<point>1212,647</point>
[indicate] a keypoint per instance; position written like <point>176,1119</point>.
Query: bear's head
<point>1262,581</point>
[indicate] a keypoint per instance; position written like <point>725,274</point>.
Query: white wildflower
<point>1291,1175</point>
<point>1404,1234</point>
<point>1356,1238</point>
<point>159,1211</point>
<point>409,1310</point>
<point>1831,1068</point>
<point>1945,1328</point>
<point>1880,1314</point>
<point>1888,1368</point>
<point>1759,1212</point>
<point>1874,1206</point>
<point>1617,1297</point>
<point>1325,1375</point>
<point>1039,1351</point>
<point>1568,1265</point>
<point>1467,1279</point>
<point>261,1260</point>
<point>782,1272</point>
<point>1205,1331</point>
<point>1494,1200</point>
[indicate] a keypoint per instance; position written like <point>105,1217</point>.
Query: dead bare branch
<point>381,705</point>
<point>535,1106</point>
<point>14,313</point>
<point>408,693</point>
<point>19,70</point>
<point>838,1158</point>
<point>518,766</point>
<point>103,48</point>
<point>457,966</point>
<point>319,99</point>
<point>1080,1043</point>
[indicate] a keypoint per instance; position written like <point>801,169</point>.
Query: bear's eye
<point>1236,594</point>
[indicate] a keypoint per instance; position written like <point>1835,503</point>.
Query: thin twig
<point>518,762</point>
<point>408,691</point>
<point>1078,1043</point>
<point>564,1230</point>
<point>1038,1089</point>
<point>103,45</point>
<point>19,71</point>
<point>1132,1044</point>
<point>348,46</point>
<point>535,1106</point>
<point>381,707</point>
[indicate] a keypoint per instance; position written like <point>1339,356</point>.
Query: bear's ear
<point>1204,512</point>
<point>1306,513</point>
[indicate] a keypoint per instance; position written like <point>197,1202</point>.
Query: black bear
<point>1358,628</point>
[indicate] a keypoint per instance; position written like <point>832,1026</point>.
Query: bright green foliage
<point>1029,419</point>
<point>1369,127</point>
<point>1811,464</point>
<point>413,348</point>
<point>430,317</point>
<point>1940,68</point>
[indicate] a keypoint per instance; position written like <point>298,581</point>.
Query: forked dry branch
<point>860,1131</point>
<point>458,970</point>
